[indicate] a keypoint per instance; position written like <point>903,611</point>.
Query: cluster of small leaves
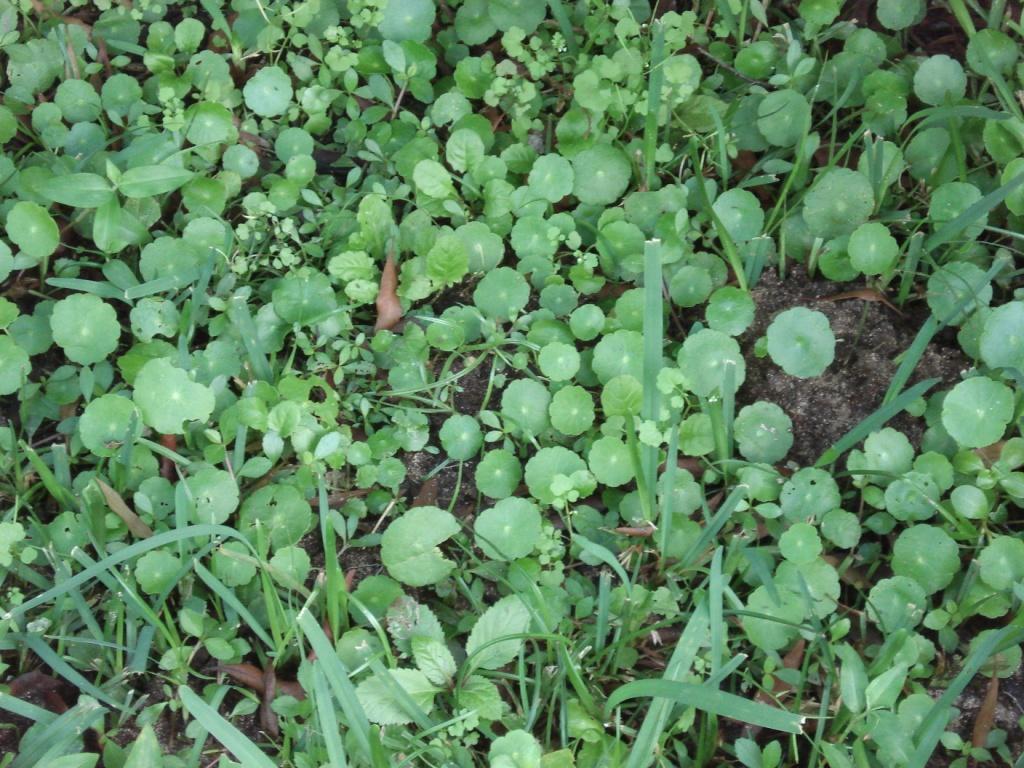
<point>274,273</point>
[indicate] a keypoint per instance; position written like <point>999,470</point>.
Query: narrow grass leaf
<point>229,598</point>
<point>974,213</point>
<point>653,727</point>
<point>123,555</point>
<point>337,675</point>
<point>712,701</point>
<point>605,556</point>
<point>329,728</point>
<point>934,723</point>
<point>56,737</point>
<point>232,739</point>
<point>873,422</point>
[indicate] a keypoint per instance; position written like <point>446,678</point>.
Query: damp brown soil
<point>870,337</point>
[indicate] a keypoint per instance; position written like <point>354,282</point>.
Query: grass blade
<point>123,555</point>
<point>228,598</point>
<point>931,728</point>
<point>232,739</point>
<point>707,699</point>
<point>653,328</point>
<point>714,526</point>
<point>328,720</point>
<point>655,77</point>
<point>653,727</point>
<point>51,741</point>
<point>337,676</point>
<point>981,208</point>
<point>874,422</point>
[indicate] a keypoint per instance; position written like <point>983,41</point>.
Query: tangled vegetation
<point>511,383</point>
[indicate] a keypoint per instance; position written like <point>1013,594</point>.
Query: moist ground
<point>869,338</point>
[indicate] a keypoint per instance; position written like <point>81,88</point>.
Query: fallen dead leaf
<point>389,309</point>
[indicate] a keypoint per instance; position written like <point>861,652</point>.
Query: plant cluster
<point>373,383</point>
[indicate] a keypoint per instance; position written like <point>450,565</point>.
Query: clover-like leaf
<point>167,397</point>
<point>409,546</point>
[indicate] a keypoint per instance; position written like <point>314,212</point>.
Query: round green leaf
<point>559,361</point>
<point>551,177</point>
<point>800,543</point>
<point>509,530</point>
<point>498,474</point>
<point>602,174</point>
<point>167,397</point>
<point>704,357</point>
<point>15,366</point>
<point>939,78</point>
<point>281,511</point>
<point>622,396</point>
<point>409,546</point>
<point>85,327</point>
<point>763,432</point>
<point>783,117</point>
<point>525,403</point>
<point>800,341</point>
<point>502,293</point>
<point>809,494</point>
<point>571,411</point>
<point>107,423</point>
<point>617,353</point>
<point>155,571</point>
<point>1002,562</point>
<point>926,554</point>
<point>872,249</point>
<point>610,461</point>
<point>407,20</point>
<point>740,213</point>
<point>839,201</point>
<point>268,92</point>
<point>32,229</point>
<point>899,14</point>
<point>958,284</point>
<point>897,603</point>
<point>690,285</point>
<point>1002,339</point>
<point>304,297</point>
<point>730,310</point>
<point>545,464</point>
<point>976,411</point>
<point>461,437</point>
<point>214,494</point>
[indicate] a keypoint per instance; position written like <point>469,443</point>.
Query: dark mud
<point>869,337</point>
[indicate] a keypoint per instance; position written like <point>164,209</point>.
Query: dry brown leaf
<point>389,309</point>
<point>865,294</point>
<point>985,718</point>
<point>121,509</point>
